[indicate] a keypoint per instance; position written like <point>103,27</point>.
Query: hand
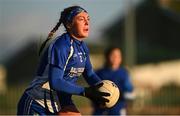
<point>95,95</point>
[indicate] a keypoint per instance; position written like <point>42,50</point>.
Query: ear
<point>69,26</point>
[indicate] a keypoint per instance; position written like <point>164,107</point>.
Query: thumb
<point>99,85</point>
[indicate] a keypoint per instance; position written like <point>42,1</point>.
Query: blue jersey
<point>121,78</point>
<point>61,64</point>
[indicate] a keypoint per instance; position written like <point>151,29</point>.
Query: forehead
<point>82,14</point>
<point>116,51</point>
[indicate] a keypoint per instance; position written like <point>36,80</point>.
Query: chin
<point>85,35</point>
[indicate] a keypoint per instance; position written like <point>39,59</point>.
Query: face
<point>115,57</point>
<point>80,26</point>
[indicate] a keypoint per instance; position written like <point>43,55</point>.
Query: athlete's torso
<point>119,77</point>
<point>73,69</point>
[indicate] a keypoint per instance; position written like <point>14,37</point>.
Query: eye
<point>88,19</point>
<point>80,18</point>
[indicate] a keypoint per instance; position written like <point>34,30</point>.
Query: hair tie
<point>73,13</point>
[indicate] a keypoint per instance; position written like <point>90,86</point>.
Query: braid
<point>50,35</point>
<point>66,18</point>
<point>54,30</point>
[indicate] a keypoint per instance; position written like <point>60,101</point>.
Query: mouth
<point>85,30</point>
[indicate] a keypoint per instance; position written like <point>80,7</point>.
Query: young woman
<point>115,72</point>
<point>61,64</point>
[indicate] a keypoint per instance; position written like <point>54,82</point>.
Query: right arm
<point>58,57</point>
<point>56,72</point>
<point>59,84</point>
<point>90,76</point>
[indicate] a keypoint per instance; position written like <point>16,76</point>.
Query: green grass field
<point>9,100</point>
<point>164,101</point>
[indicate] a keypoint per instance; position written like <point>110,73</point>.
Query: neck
<point>80,39</point>
<point>75,37</point>
<point>114,67</point>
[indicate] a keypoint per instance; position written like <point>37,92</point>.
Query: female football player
<point>115,72</point>
<point>62,61</point>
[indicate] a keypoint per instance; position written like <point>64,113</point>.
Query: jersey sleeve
<point>89,74</point>
<point>57,55</point>
<point>100,73</point>
<point>128,87</point>
<point>57,60</point>
<point>59,84</point>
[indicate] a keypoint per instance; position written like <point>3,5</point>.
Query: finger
<point>104,94</point>
<point>99,85</point>
<point>103,100</point>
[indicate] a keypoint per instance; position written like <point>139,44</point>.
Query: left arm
<point>89,74</point>
<point>127,82</point>
<point>92,79</point>
<point>128,93</point>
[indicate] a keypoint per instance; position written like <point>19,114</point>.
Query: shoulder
<point>60,44</point>
<point>123,69</point>
<point>123,72</point>
<point>85,47</point>
<point>62,41</point>
<point>102,70</point>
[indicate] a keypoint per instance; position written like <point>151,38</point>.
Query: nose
<point>86,21</point>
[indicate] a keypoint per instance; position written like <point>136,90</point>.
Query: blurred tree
<point>171,4</point>
<point>21,66</point>
<point>157,33</point>
<point>175,5</point>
